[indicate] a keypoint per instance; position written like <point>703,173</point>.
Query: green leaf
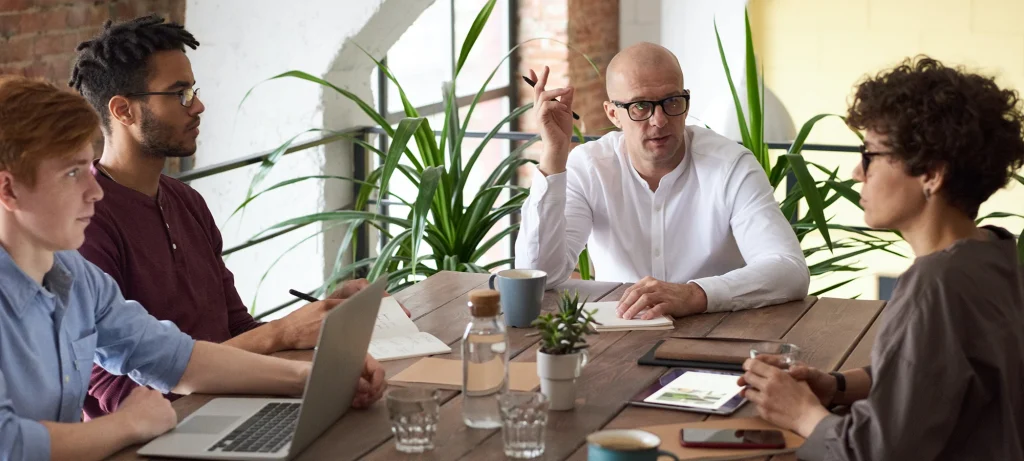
<point>740,116</point>
<point>753,99</point>
<point>833,287</point>
<point>406,129</point>
<point>338,267</point>
<point>1019,178</point>
<point>484,247</point>
<point>252,307</point>
<point>498,263</point>
<point>844,189</point>
<point>367,109</point>
<point>428,186</point>
<point>329,216</point>
<point>268,163</point>
<point>844,256</point>
<point>584,265</point>
<point>385,255</point>
<point>805,131</point>
<point>815,206</point>
<point>997,214</point>
<point>301,179</point>
<point>474,33</point>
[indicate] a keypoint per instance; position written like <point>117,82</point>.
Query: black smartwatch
<point>840,387</point>
<point>840,381</point>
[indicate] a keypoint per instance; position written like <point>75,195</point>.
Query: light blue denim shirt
<point>51,334</point>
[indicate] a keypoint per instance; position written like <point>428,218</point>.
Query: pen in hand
<point>303,296</point>
<point>534,84</point>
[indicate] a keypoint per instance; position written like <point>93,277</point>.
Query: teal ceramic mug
<point>625,445</point>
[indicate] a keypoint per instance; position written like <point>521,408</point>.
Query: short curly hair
<point>115,62</point>
<point>938,116</point>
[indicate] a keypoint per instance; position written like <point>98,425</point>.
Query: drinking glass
<point>524,415</point>
<point>414,413</point>
<point>782,355</point>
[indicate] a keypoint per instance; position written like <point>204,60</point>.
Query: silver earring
<point>927,194</point>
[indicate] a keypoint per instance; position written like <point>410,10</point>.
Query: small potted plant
<point>563,349</point>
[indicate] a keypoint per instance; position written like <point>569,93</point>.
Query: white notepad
<point>610,320</point>
<point>395,336</point>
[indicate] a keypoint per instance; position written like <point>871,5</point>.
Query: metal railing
<point>362,160</point>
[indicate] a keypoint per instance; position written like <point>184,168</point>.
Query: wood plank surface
<point>611,378</point>
<point>831,333</point>
<point>454,438</point>
<point>826,330</point>
<point>363,426</point>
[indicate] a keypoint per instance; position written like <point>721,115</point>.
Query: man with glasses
<point>153,234</point>
<point>686,214</point>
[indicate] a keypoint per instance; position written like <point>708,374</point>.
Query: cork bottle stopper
<point>484,303</point>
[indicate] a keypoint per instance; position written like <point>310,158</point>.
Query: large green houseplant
<point>816,194</point>
<point>447,226</point>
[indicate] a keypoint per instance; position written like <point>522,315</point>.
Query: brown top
<point>484,303</point>
<point>947,364</point>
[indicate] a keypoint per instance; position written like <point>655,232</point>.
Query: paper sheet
<point>403,347</point>
<point>392,321</point>
<point>610,320</point>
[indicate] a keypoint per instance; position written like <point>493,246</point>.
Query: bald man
<point>687,214</point>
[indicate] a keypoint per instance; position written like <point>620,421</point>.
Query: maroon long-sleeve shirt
<point>164,252</point>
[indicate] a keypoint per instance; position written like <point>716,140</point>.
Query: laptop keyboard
<point>271,428</point>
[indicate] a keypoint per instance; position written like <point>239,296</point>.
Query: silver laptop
<point>256,428</point>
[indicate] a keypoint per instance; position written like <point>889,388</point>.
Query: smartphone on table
<point>731,438</point>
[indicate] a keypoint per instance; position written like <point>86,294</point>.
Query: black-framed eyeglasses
<point>186,96</point>
<point>642,110</point>
<point>866,156</point>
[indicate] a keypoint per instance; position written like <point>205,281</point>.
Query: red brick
<point>16,49</point>
<point>56,43</point>
<point>14,5</point>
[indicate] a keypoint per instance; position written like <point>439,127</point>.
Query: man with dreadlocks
<point>153,234</point>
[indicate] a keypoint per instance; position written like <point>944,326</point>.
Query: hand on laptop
<point>147,413</point>
<point>350,287</point>
<point>659,298</point>
<point>371,384</point>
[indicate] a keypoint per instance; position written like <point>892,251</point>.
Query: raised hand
<point>554,115</point>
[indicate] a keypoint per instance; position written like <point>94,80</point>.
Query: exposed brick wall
<point>594,31</point>
<point>589,26</point>
<point>38,37</point>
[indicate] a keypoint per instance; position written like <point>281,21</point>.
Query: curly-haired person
<point>947,365</point>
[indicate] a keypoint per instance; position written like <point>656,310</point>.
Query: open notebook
<point>610,320</point>
<point>396,337</point>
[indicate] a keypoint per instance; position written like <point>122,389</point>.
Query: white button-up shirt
<point>713,221</point>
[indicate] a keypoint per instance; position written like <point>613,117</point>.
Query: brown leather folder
<point>700,352</point>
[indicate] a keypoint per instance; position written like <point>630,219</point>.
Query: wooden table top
<point>833,334</point>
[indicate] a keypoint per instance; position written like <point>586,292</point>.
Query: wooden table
<point>833,333</point>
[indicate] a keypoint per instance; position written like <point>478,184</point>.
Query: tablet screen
<point>697,389</point>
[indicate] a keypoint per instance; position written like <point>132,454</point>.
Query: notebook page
<point>608,317</point>
<point>392,321</point>
<point>403,347</point>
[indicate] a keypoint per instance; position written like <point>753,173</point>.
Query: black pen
<point>303,296</point>
<point>534,84</point>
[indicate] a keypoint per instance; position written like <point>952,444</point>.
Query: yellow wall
<point>813,52</point>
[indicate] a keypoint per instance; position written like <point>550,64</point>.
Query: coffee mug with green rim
<point>625,445</point>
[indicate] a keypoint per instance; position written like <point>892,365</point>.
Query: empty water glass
<point>524,415</point>
<point>782,355</point>
<point>414,413</point>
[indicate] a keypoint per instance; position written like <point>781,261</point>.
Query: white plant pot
<point>558,375</point>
